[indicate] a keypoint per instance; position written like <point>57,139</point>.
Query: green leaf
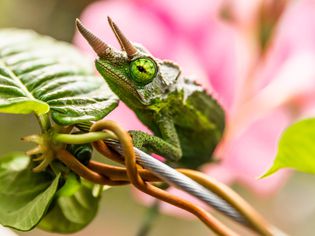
<point>296,148</point>
<point>24,195</point>
<point>74,208</point>
<point>71,186</point>
<point>38,74</point>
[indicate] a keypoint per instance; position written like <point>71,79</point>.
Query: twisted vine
<point>132,173</point>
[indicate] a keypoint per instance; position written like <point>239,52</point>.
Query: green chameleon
<point>187,122</point>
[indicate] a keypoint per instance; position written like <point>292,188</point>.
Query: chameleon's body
<point>187,122</point>
<point>198,128</point>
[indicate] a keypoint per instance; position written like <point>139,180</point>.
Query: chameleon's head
<point>132,72</point>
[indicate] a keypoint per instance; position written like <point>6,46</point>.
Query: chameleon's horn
<point>123,41</point>
<point>98,45</point>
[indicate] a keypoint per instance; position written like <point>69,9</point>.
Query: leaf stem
<point>82,138</point>
<point>150,217</point>
<point>44,122</point>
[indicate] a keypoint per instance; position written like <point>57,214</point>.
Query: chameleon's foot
<point>41,153</point>
<point>138,141</point>
<point>153,144</point>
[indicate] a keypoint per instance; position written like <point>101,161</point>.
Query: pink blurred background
<point>246,54</point>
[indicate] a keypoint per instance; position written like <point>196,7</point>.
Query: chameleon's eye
<point>143,70</point>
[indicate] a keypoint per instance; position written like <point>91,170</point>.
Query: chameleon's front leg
<point>167,146</point>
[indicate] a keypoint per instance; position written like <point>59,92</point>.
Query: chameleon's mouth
<point>118,80</point>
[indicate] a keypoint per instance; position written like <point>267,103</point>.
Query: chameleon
<point>187,123</point>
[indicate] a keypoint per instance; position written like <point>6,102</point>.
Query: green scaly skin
<point>187,122</point>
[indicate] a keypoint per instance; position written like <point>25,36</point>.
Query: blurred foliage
<point>296,148</point>
<point>50,17</point>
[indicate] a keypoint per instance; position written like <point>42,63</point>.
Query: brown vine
<point>133,173</point>
<point>136,179</point>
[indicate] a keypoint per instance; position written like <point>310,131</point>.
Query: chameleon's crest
<point>97,44</point>
<point>123,41</point>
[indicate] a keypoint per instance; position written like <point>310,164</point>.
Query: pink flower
<point>281,89</point>
<point>256,92</point>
